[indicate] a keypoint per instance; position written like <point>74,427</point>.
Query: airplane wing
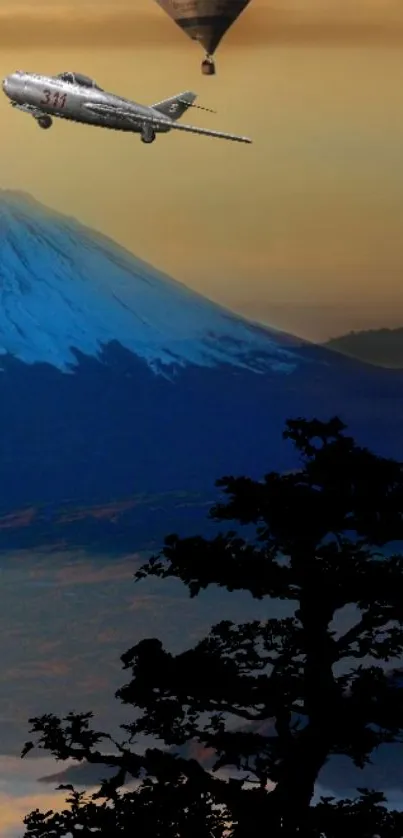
<point>175,126</point>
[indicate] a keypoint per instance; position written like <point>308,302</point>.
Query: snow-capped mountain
<point>65,288</point>
<point>124,391</point>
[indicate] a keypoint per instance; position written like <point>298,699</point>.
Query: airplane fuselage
<point>66,100</point>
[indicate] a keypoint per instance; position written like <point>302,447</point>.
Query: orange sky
<point>309,217</point>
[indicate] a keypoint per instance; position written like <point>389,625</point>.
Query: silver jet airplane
<point>76,97</point>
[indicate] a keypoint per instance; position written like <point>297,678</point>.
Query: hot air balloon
<point>205,21</point>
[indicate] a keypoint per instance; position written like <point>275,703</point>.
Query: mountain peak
<point>66,289</point>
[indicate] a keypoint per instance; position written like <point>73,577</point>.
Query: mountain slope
<point>382,347</point>
<point>66,289</point>
<point>119,384</point>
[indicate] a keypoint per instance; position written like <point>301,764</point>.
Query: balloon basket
<point>208,67</point>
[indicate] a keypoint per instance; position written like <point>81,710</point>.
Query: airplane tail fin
<point>176,106</point>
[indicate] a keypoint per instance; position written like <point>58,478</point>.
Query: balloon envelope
<point>205,21</point>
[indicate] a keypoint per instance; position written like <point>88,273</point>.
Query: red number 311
<point>53,100</point>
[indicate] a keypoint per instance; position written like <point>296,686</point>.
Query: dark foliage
<point>273,700</point>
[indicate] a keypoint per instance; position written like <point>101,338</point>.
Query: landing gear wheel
<point>208,66</point>
<point>45,121</point>
<point>147,134</point>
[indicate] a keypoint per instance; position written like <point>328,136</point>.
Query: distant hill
<point>382,347</point>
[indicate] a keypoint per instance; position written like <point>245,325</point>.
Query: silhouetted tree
<point>366,817</point>
<point>272,700</point>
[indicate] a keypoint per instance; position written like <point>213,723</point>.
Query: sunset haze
<point>308,218</point>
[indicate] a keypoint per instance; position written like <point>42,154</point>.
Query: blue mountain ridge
<point>124,394</point>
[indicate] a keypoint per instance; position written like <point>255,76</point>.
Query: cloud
<point>20,793</point>
<point>83,775</point>
<point>259,25</point>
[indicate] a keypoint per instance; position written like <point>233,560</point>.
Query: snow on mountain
<point>167,391</point>
<point>64,288</point>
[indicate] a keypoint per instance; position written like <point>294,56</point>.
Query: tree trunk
<point>290,800</point>
<point>309,751</point>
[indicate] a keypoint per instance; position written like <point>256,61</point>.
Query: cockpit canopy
<point>78,78</point>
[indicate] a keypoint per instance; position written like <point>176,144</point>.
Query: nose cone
<point>10,85</point>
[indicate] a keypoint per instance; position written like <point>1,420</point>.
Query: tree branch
<point>368,621</point>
